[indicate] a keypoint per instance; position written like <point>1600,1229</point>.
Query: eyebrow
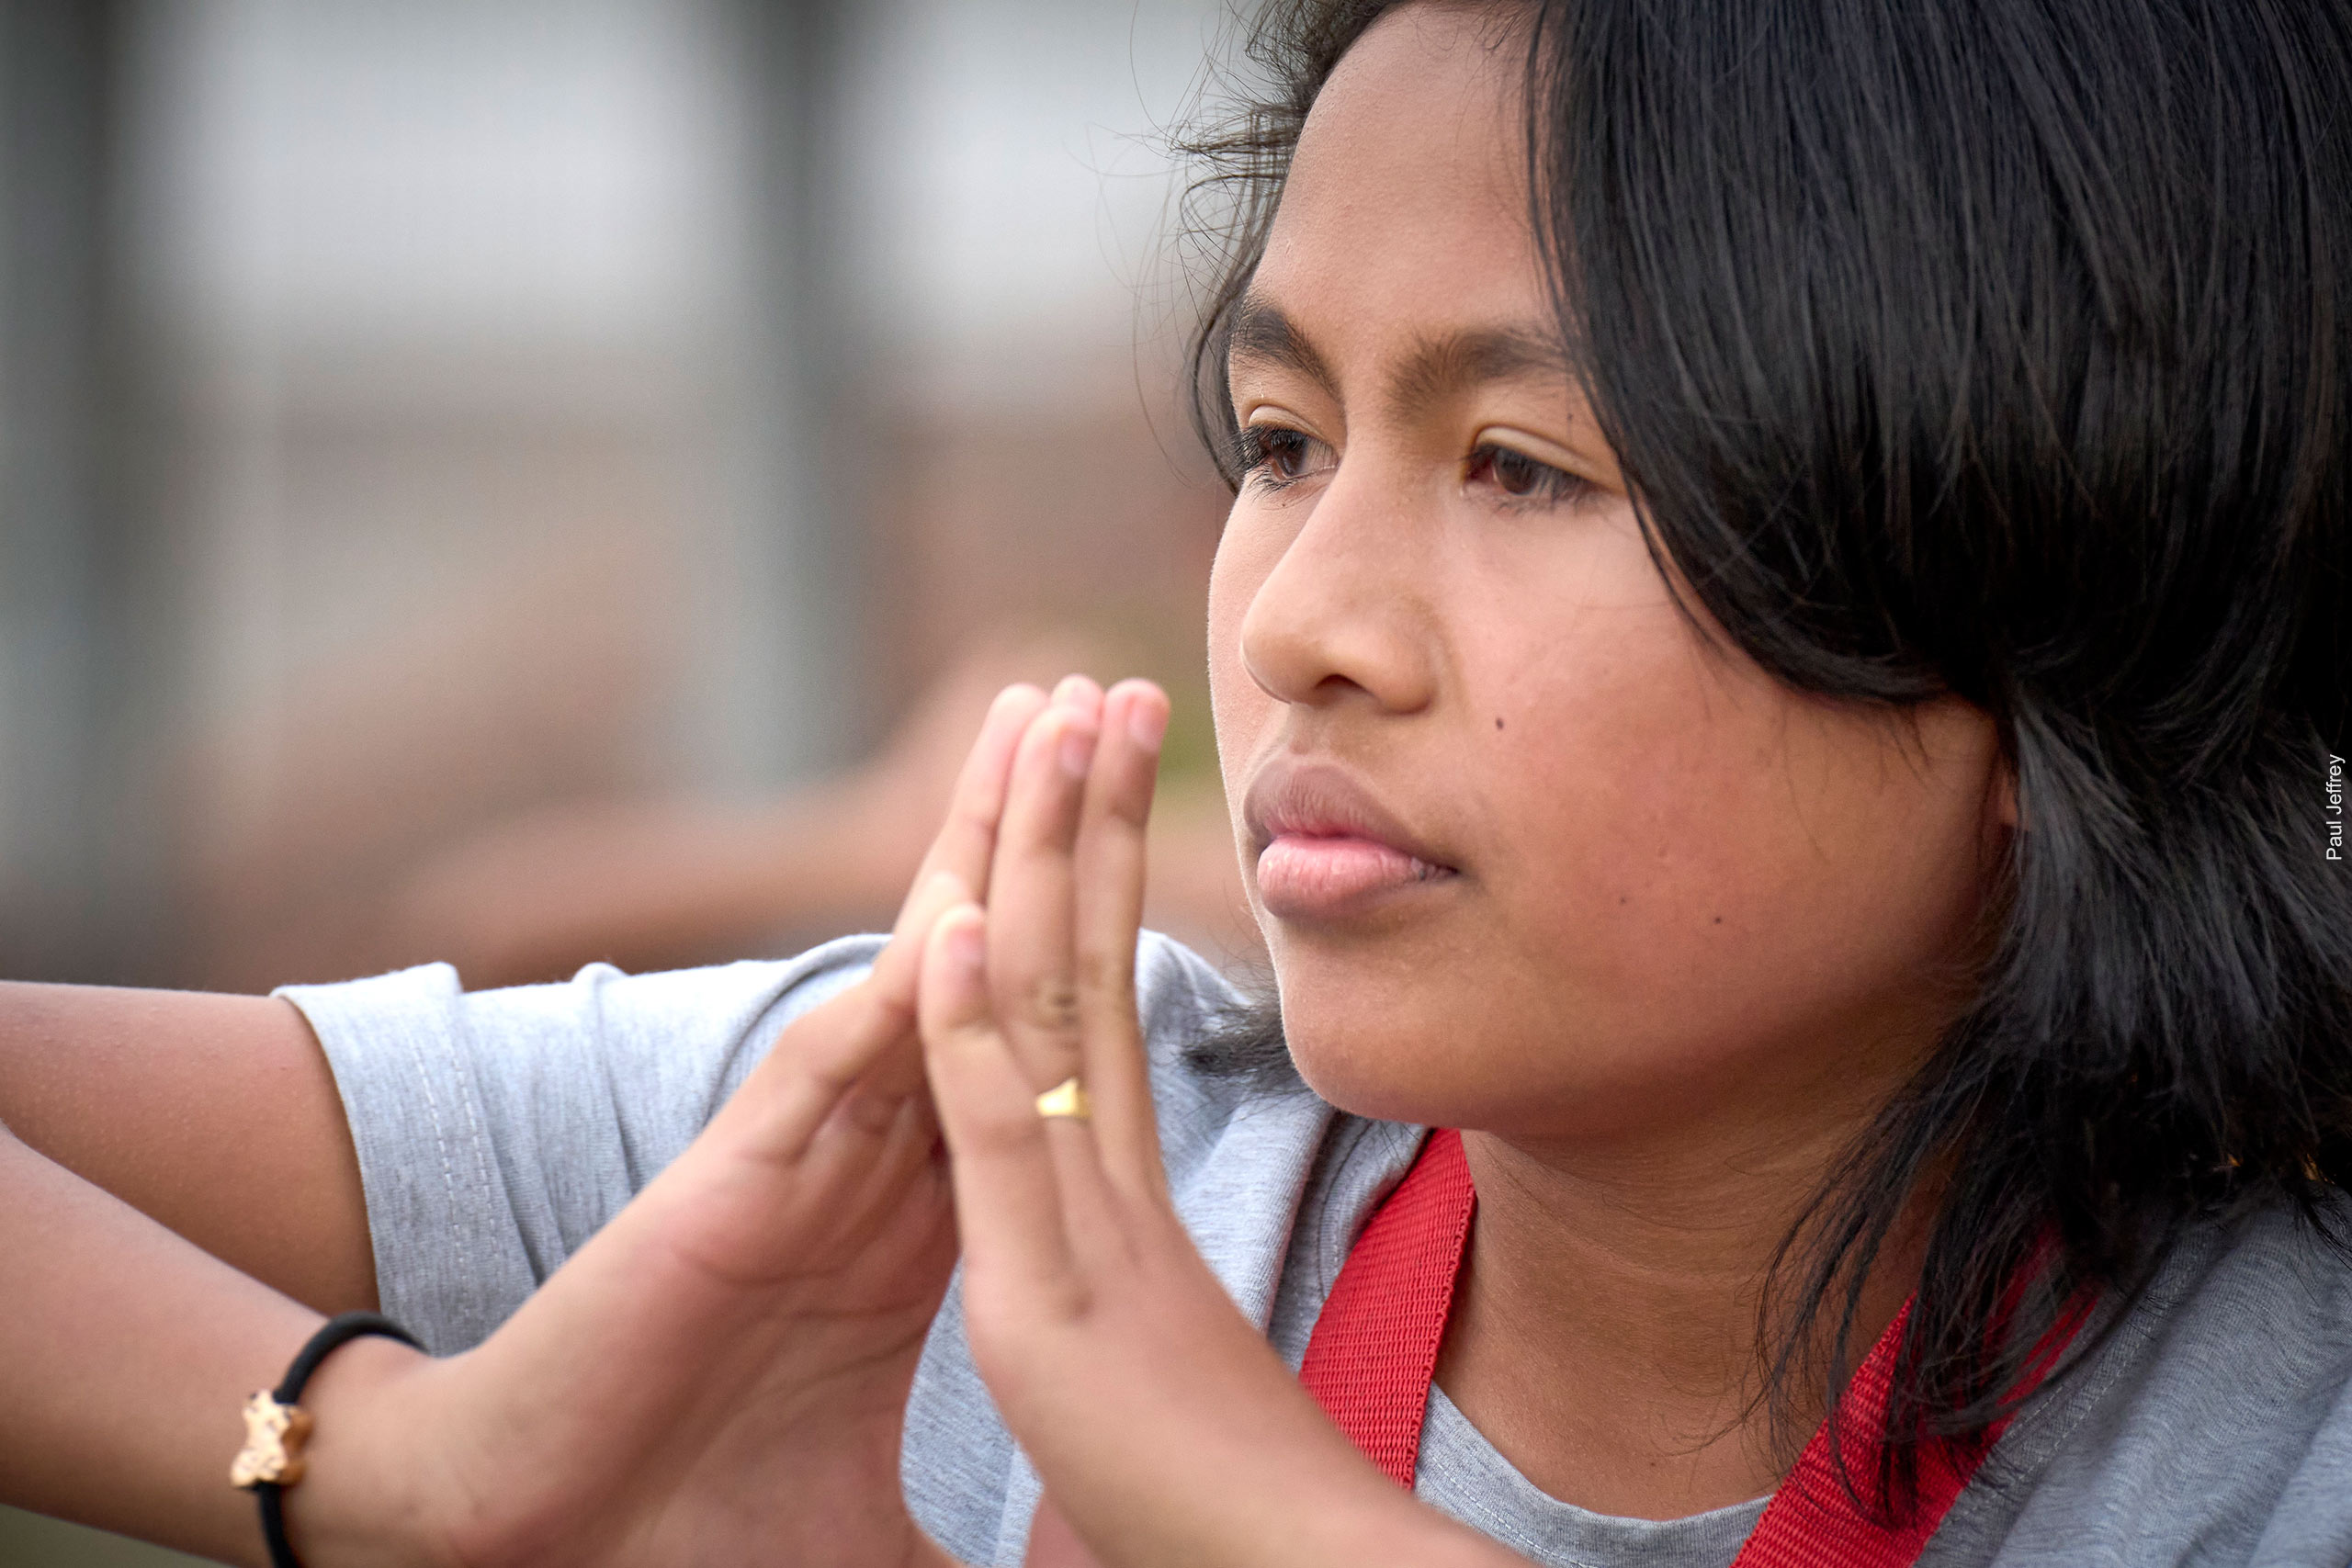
<point>1261,331</point>
<point>1436,369</point>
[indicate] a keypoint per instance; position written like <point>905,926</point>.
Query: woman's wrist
<point>375,1491</point>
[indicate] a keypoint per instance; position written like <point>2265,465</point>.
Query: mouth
<point>1326,848</point>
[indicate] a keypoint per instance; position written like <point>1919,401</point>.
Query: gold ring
<point>1067,1097</point>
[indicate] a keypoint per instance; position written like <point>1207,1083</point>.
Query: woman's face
<point>1531,854</point>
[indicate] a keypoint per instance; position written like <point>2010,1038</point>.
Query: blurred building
<point>421,419</point>
<point>417,417</point>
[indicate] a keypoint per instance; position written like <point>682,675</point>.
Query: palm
<point>720,1376</point>
<point>803,1465</point>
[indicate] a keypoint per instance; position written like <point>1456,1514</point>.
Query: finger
<point>821,1056</point>
<point>1110,888</point>
<point>967,839</point>
<point>1008,1205</point>
<point>954,869</point>
<point>963,840</point>
<point>884,1065</point>
<point>1031,924</point>
<point>859,1045</point>
<point>1032,962</point>
<point>871,1150</point>
<point>843,1045</point>
<point>1081,692</point>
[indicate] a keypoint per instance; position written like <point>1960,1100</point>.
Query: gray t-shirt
<point>497,1130</point>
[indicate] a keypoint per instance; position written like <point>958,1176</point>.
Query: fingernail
<point>968,942</point>
<point>1077,749</point>
<point>1146,721</point>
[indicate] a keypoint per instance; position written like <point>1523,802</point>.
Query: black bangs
<point>1998,349</point>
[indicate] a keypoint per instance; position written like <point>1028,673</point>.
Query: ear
<point>2001,800</point>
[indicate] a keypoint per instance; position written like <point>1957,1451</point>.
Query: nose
<point>1347,612</point>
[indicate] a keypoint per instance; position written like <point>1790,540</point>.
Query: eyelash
<point>1547,486</point>
<point>1257,448</point>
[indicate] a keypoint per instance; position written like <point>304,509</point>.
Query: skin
<point>1695,925</point>
<point>1167,1430</point>
<point>732,1351</point>
<point>1673,874</point>
<point>1671,930</point>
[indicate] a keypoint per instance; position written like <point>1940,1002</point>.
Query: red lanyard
<point>1374,1349</point>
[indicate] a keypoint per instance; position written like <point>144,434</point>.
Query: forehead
<point>1404,212</point>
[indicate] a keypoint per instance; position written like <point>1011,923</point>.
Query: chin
<point>1376,1061</point>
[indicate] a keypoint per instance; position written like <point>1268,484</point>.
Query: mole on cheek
<point>1499,724</point>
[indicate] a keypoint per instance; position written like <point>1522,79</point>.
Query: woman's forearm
<point>125,1356</point>
<point>216,1116</point>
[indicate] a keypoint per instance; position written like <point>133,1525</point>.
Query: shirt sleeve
<point>497,1130</point>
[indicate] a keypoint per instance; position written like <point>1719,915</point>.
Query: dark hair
<point>1994,348</point>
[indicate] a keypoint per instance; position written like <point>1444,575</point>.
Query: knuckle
<point>1005,1130</point>
<point>873,1115</point>
<point>1131,807</point>
<point>1051,1003</point>
<point>1105,971</point>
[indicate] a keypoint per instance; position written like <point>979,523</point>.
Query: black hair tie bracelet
<point>276,1428</point>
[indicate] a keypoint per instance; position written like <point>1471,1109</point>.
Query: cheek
<point>1725,878</point>
<point>1692,886</point>
<point>1238,705</point>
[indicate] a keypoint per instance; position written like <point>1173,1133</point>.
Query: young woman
<point>1780,659</point>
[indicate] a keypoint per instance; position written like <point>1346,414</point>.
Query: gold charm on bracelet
<point>274,1436</point>
<point>1067,1097</point>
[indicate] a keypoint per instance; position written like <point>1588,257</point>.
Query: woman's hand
<point>720,1375</point>
<point>1166,1428</point>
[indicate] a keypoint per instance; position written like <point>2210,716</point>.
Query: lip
<point>1324,846</point>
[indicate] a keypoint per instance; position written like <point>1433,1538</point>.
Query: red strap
<point>1374,1349</point>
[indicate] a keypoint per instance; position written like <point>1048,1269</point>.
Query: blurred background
<point>531,482</point>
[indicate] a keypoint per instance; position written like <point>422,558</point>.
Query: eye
<point>1521,477</point>
<point>1276,456</point>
